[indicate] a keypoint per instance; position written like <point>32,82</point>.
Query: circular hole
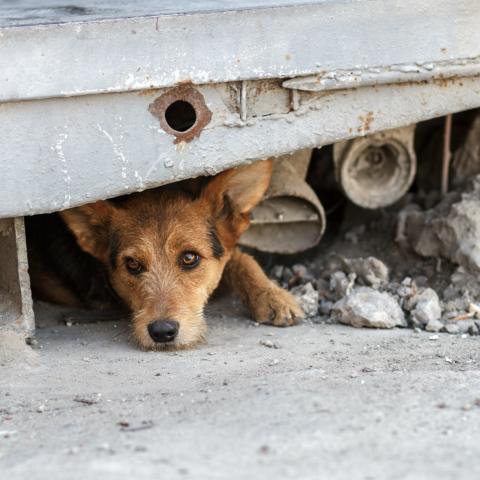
<point>180,116</point>
<point>377,167</point>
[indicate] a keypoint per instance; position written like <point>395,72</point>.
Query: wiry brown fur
<point>155,228</point>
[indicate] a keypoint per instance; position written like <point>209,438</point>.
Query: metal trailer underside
<point>84,90</point>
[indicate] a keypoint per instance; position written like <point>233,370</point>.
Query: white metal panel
<point>108,54</point>
<point>59,153</point>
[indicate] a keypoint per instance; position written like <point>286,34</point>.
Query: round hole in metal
<point>180,116</point>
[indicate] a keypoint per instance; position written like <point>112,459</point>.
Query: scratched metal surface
<point>223,45</point>
<point>35,12</point>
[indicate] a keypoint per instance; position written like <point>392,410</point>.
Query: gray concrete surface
<point>332,402</point>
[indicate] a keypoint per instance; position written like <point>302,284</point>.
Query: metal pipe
<point>291,218</point>
<point>377,170</point>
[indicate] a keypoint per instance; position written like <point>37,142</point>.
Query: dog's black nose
<point>163,330</point>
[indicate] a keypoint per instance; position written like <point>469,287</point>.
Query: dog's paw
<point>275,306</point>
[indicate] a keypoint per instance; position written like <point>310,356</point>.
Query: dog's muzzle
<point>163,331</point>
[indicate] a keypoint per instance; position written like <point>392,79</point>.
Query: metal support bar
<point>16,311</point>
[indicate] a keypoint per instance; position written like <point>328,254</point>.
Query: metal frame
<point>15,299</point>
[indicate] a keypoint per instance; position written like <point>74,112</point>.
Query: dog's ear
<point>90,224</point>
<point>239,189</point>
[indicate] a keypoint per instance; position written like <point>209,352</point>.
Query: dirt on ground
<point>311,401</point>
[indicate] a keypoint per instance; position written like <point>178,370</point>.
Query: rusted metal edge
<point>395,74</point>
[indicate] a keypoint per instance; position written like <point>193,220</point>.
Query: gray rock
<point>450,230</point>
<point>427,307</point>
<point>325,307</point>
<point>340,284</point>
<point>277,272</point>
<point>287,274</point>
<point>452,328</point>
<point>366,307</point>
<point>307,298</point>
<point>467,326</point>
<point>299,270</point>
<point>434,326</point>
<point>370,271</point>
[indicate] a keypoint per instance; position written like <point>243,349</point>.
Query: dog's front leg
<point>268,303</point>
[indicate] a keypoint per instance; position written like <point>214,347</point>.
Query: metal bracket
<point>16,312</point>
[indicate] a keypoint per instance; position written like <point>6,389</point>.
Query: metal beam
<point>140,44</point>
<point>59,153</point>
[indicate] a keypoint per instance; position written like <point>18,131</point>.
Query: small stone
<point>277,272</point>
<point>427,307</point>
<point>325,307</point>
<point>340,284</point>
<point>299,270</point>
<point>433,337</point>
<point>41,408</point>
<point>434,326</point>
<point>370,271</point>
<point>269,344</point>
<point>467,326</point>
<point>452,328</point>
<point>287,275</point>
<point>307,298</point>
<point>366,307</point>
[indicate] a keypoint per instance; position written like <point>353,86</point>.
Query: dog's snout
<point>163,330</point>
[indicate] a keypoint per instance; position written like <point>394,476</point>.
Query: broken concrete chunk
<point>366,307</point>
<point>451,230</point>
<point>370,271</point>
<point>307,297</point>
<point>427,307</point>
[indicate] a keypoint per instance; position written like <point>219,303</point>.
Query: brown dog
<point>160,254</point>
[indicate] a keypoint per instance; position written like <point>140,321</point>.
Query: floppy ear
<point>240,189</point>
<point>90,224</point>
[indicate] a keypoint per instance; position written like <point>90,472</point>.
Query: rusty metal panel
<point>15,297</point>
<point>51,50</point>
<point>58,153</point>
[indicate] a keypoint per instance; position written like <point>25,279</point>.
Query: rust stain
<point>148,91</point>
<point>367,121</point>
<point>185,81</point>
<point>445,82</point>
<point>185,93</point>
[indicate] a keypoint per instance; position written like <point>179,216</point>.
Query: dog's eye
<point>189,260</point>
<point>134,266</point>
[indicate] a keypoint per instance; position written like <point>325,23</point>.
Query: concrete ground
<point>331,402</point>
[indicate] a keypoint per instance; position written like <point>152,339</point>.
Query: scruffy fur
<point>83,257</point>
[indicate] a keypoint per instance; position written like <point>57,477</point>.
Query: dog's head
<point>165,250</point>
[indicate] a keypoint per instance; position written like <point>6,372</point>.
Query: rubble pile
<point>425,276</point>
